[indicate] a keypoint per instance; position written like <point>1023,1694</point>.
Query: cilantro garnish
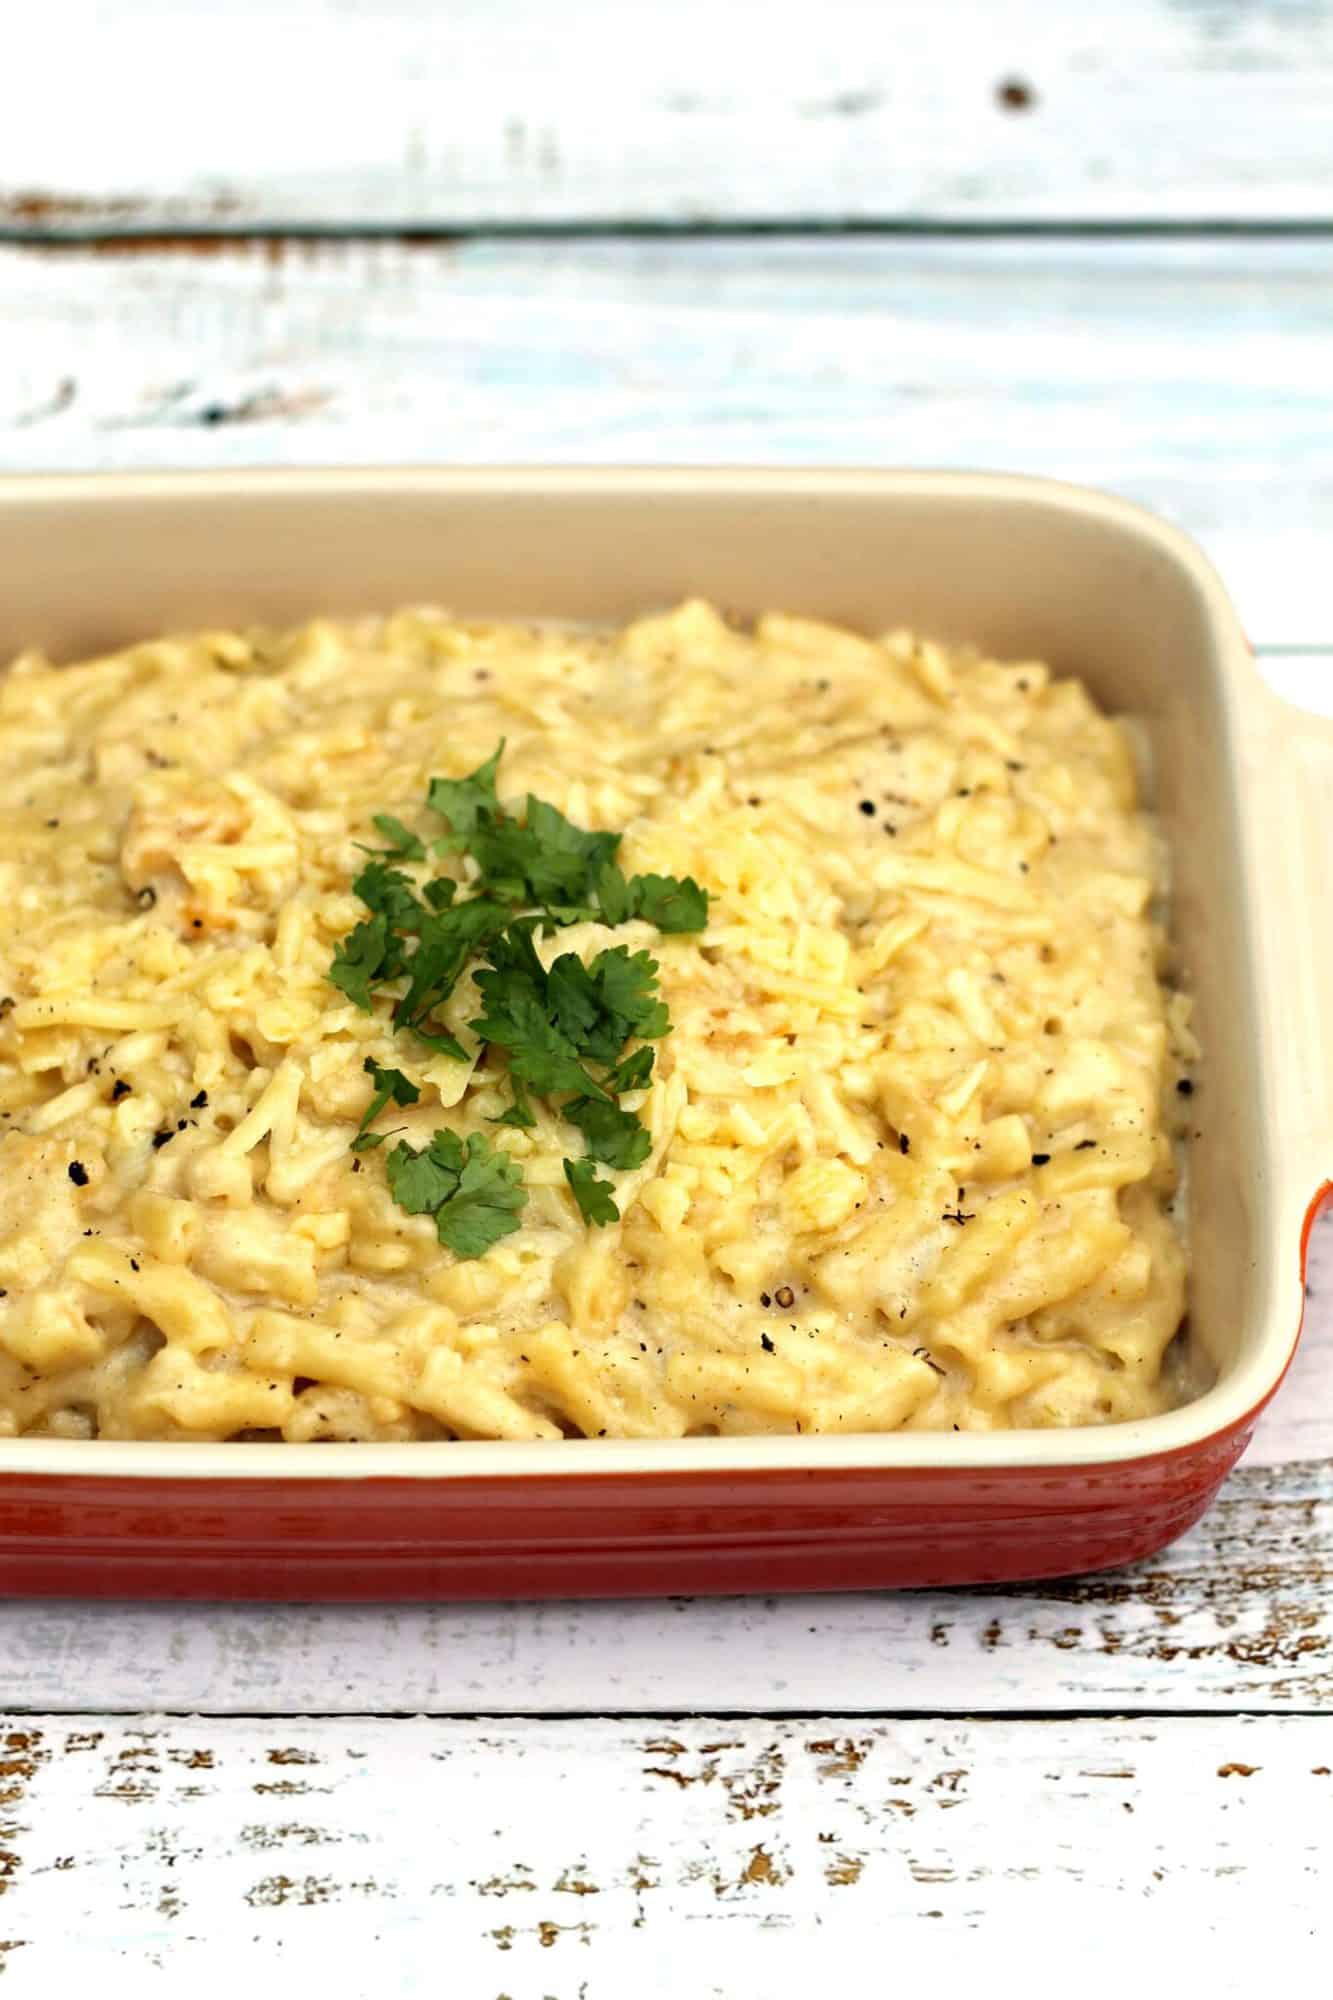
<point>391,1086</point>
<point>404,845</point>
<point>474,1190</point>
<point>614,1137</point>
<point>563,1031</point>
<point>367,956</point>
<point>461,801</point>
<point>595,1197</point>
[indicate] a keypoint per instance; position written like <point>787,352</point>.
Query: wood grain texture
<point>593,1860</point>
<point>327,113</point>
<point>1237,1615</point>
<point>1189,375</point>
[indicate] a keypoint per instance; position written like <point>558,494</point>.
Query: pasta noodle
<point>910,1136</point>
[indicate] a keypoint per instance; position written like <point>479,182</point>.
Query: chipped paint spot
<point>571,1884</point>
<point>193,1760</point>
<point>548,1932</point>
<point>290,1833</point>
<point>761,1868</point>
<point>500,1885</point>
<point>275,1890</point>
<point>842,1755</point>
<point>1238,1770</point>
<point>292,1757</point>
<point>844,1870</point>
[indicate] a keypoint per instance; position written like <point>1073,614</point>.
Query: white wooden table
<point>1096,243</point>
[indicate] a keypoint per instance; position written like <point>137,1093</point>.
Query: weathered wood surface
<point>1189,375</point>
<point>1237,1615</point>
<point>317,113</point>
<point>592,1860</point>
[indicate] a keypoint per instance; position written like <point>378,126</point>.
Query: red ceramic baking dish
<point>1091,584</point>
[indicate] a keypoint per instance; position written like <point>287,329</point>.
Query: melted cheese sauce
<point>911,1160</point>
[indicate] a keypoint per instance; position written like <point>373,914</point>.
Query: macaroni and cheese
<point>908,1158</point>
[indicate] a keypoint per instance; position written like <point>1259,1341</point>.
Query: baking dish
<point>1089,583</point>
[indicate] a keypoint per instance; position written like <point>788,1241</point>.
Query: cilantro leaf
<point>391,894</point>
<point>597,1007</point>
<point>627,987</point>
<point>614,899</point>
<point>448,939</point>
<point>517,1019</point>
<point>634,1073</point>
<point>674,903</point>
<point>671,902</point>
<point>404,845</point>
<point>421,1179</point>
<point>544,859</point>
<point>487,1204</point>
<point>614,1137</point>
<point>441,892</point>
<point>520,1113</point>
<point>473,1189</point>
<point>367,956</point>
<point>390,1086</point>
<point>440,1039</point>
<point>575,1002</point>
<point>594,1196</point>
<point>462,801</point>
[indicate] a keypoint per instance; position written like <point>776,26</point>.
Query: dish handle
<point>1300,942</point>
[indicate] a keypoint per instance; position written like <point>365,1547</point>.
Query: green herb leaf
<point>673,903</point>
<point>442,1042</point>
<point>391,894</point>
<point>391,1086</point>
<point>517,1019</point>
<point>612,891</point>
<point>420,1180</point>
<point>448,939</point>
<point>368,956</point>
<point>462,801</point>
<point>614,1137</point>
<point>634,1073</point>
<point>473,1189</point>
<point>595,1197</point>
<point>404,845</point>
<point>520,1115</point>
<point>487,1204</point>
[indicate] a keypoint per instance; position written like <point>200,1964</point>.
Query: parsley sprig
<point>564,1031</point>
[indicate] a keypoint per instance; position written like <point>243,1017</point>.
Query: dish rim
<point>1229,1406</point>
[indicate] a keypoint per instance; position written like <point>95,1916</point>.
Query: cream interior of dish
<point>912,1162</point>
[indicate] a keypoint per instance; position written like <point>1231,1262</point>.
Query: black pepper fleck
<point>1084,1145</point>
<point>868,808</point>
<point>119,1089</point>
<point>1185,1087</point>
<point>1040,1159</point>
<point>199,1100</point>
<point>767,1344</point>
<point>161,1139</point>
<point>765,1299</point>
<point>78,1173</point>
<point>904,1143</point>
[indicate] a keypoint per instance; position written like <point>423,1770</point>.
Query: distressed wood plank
<point>324,113</point>
<point>596,1859</point>
<point>1189,375</point>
